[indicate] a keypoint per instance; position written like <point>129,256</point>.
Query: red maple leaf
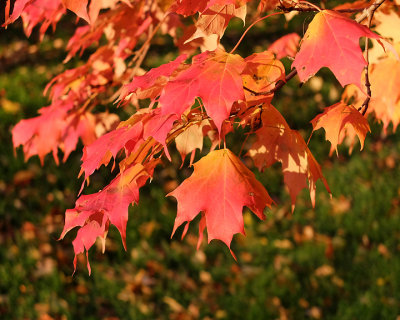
<point>214,77</point>
<point>331,41</point>
<point>93,213</point>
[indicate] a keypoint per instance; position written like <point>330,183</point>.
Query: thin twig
<point>305,6</point>
<point>370,10</point>
<point>367,12</point>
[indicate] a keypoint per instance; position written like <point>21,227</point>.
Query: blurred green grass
<point>337,261</point>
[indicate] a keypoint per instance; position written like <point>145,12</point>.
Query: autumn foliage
<point>206,92</point>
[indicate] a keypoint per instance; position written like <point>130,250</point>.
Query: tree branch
<point>304,7</point>
<point>370,14</point>
<point>279,84</point>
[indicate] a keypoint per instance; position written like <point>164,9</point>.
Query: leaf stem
<point>250,26</point>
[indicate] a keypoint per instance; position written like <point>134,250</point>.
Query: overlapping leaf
<point>190,140</point>
<point>385,90</point>
<point>128,137</point>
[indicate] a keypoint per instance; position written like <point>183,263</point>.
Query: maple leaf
<point>277,142</point>
<point>158,126</point>
<point>80,7</point>
<point>388,24</point>
<point>93,213</point>
<point>128,136</point>
<point>220,187</point>
<point>340,120</point>
<point>331,41</point>
<point>214,77</point>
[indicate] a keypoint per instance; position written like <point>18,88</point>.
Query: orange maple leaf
<point>220,186</point>
<point>340,120</point>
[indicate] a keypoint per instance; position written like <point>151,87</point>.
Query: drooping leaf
<point>277,142</point>
<point>19,6</point>
<point>158,126</point>
<point>388,24</point>
<point>128,137</point>
<point>190,7</point>
<point>93,213</point>
<point>220,187</point>
<point>340,120</point>
<point>331,41</point>
<point>90,12</point>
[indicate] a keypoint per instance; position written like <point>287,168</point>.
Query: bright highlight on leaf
<point>220,186</point>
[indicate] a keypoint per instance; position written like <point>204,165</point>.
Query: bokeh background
<point>337,261</point>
